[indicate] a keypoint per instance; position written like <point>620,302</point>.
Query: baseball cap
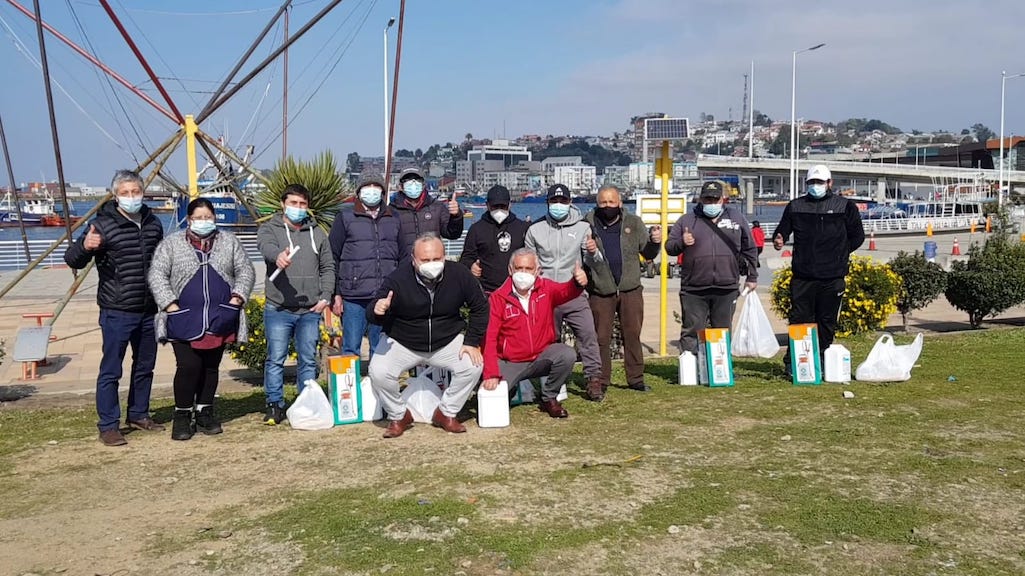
<point>498,196</point>
<point>558,190</point>
<point>411,173</point>
<point>818,172</point>
<point>711,189</point>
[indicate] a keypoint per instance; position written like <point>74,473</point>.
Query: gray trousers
<point>392,359</point>
<point>577,314</point>
<point>555,362</point>
<point>707,310</point>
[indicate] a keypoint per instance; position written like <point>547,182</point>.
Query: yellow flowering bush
<point>253,354</point>
<point>871,296</point>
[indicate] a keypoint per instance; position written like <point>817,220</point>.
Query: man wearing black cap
<point>419,214</point>
<point>562,240</point>
<point>491,240</point>
<point>714,240</point>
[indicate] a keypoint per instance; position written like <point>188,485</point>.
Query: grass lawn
<point>919,477</point>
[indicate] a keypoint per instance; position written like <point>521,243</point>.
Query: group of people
<point>494,314</point>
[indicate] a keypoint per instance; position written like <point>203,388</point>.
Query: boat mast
<point>13,195</point>
<point>284,88</point>
<point>53,128</point>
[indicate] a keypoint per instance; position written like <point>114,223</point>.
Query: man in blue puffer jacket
<point>367,245</point>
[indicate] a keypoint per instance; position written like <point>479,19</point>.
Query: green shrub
<point>921,282</point>
<point>870,297</point>
<point>990,281</point>
<point>328,188</point>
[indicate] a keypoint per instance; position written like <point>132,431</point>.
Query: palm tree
<point>469,137</point>
<point>328,188</point>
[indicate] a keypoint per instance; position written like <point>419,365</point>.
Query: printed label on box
<point>343,384</point>
<point>805,360</point>
<point>715,364</point>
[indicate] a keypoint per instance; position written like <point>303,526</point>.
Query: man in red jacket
<point>520,341</point>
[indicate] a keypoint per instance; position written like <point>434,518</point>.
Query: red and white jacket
<point>515,335</point>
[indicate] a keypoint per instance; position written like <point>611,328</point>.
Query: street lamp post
<point>793,121</point>
<point>391,22</point>
<point>1000,183</point>
<point>751,117</point>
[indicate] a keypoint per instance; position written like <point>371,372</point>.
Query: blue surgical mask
<point>817,190</point>
<point>558,211</point>
<point>413,188</point>
<point>370,196</point>
<point>130,204</point>
<point>202,227</point>
<point>712,210</point>
<point>294,214</point>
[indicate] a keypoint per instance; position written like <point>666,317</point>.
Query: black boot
<point>181,426</point>
<point>206,422</point>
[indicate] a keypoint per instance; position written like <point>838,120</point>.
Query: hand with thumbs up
<point>589,244</point>
<point>382,305</point>
<point>453,204</point>
<point>93,240</point>
<point>579,275</point>
<point>656,234</point>
<point>475,268</point>
<point>777,242</point>
<point>688,238</point>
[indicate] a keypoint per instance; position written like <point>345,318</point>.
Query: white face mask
<point>431,270</point>
<point>523,281</point>
<point>499,215</point>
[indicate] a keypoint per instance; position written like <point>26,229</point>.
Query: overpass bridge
<point>897,173</point>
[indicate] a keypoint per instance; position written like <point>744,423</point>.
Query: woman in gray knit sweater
<point>200,278</point>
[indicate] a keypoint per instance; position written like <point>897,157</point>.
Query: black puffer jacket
<point>123,258</point>
<point>431,216</point>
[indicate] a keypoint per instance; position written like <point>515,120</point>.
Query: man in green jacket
<point>615,286</point>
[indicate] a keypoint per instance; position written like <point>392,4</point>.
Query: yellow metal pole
<point>190,153</point>
<point>666,171</point>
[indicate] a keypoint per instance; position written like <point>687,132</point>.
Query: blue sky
<point>536,66</point>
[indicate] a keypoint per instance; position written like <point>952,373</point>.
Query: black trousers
<point>817,301</point>
<point>195,380</point>
<point>707,309</point>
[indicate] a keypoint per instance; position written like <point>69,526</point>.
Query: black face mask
<point>609,213</point>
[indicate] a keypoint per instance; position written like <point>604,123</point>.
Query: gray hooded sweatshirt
<point>560,245</point>
<point>310,277</point>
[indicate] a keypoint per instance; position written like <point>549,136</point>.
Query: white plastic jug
<point>370,408</point>
<point>838,364</point>
<point>688,369</point>
<point>493,406</point>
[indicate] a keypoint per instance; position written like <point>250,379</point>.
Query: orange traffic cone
<point>872,241</point>
<point>956,250</point>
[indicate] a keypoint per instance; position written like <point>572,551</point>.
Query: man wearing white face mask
<point>366,241</point>
<point>122,239</point>
<point>492,239</point>
<point>713,239</point>
<point>419,214</point>
<point>520,341</point>
<point>827,229</point>
<point>418,307</point>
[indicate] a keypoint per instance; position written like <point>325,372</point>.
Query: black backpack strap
<point>722,235</point>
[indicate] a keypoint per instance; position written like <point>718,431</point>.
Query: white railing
<point>12,252</point>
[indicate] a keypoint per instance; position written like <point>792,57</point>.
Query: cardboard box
<point>344,389</point>
<point>715,363</point>
<point>805,359</point>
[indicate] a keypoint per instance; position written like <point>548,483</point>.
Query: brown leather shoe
<point>553,408</point>
<point>595,390</point>
<point>447,423</point>
<point>397,427</point>
<point>112,438</point>
<point>147,424</point>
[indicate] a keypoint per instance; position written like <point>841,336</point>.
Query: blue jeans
<point>281,326</point>
<point>119,329</point>
<point>354,325</point>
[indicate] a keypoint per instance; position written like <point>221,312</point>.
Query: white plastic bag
<point>753,335</point>
<point>888,362</point>
<point>311,410</point>
<point>422,397</point>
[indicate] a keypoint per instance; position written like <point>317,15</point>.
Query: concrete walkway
<point>75,355</point>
